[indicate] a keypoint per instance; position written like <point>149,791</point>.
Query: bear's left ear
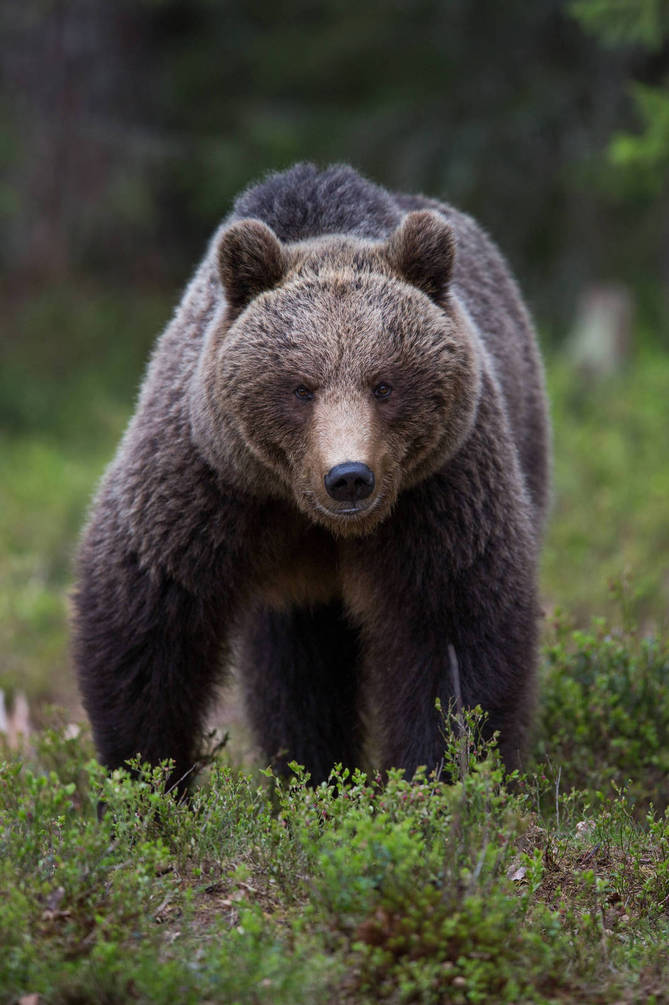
<point>250,261</point>
<point>422,250</point>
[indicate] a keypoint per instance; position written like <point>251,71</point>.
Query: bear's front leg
<point>463,654</point>
<point>422,587</point>
<point>148,654</point>
<point>148,637</point>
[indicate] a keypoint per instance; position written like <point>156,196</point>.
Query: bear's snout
<point>350,481</point>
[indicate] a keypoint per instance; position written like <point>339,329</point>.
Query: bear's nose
<point>349,481</point>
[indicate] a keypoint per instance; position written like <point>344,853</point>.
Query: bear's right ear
<point>250,261</point>
<point>422,250</point>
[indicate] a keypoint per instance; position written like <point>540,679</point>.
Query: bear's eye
<point>303,393</point>
<point>382,390</point>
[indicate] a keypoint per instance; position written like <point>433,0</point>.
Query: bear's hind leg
<point>299,676</point>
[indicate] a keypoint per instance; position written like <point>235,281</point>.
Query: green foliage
<point>357,890</point>
<point>609,519</point>
<point>43,494</point>
<point>604,713</point>
<point>642,158</point>
<point>62,409</point>
<point>413,878</point>
<point>624,22</point>
<point>69,885</point>
<point>71,360</point>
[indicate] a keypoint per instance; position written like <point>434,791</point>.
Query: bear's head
<point>341,371</point>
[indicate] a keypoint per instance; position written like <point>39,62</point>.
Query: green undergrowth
<point>603,713</point>
<point>609,523</point>
<point>43,493</point>
<point>461,886</point>
<point>63,404</point>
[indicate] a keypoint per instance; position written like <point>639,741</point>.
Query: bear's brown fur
<point>337,471</point>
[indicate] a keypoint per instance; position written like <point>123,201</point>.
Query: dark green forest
<point>129,127</point>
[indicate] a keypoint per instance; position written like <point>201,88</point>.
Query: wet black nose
<point>349,481</point>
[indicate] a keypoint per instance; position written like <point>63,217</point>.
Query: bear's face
<point>344,380</point>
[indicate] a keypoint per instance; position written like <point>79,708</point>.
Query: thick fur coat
<point>336,477</point>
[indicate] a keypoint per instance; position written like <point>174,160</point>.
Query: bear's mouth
<point>362,508</point>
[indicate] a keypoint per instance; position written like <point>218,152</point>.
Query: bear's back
<point>304,202</point>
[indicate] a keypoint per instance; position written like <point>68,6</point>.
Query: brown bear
<point>336,479</point>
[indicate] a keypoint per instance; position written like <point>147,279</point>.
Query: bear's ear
<point>250,260</point>
<point>422,250</point>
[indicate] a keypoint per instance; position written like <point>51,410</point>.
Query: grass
<point>604,712</point>
<point>63,406</point>
<point>354,891</point>
<point>609,522</point>
<point>552,888</point>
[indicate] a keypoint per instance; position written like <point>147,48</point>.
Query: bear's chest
<point>300,565</point>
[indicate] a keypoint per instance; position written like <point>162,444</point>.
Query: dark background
<point>129,126</point>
